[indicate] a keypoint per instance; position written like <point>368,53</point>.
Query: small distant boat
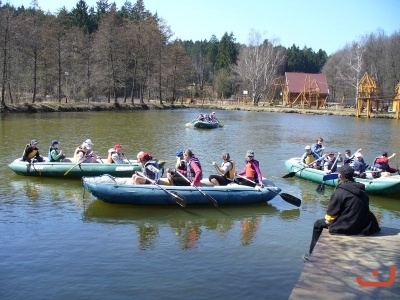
<point>378,186</point>
<point>68,168</point>
<point>120,191</point>
<point>204,124</point>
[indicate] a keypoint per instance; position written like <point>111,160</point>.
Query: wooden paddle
<point>70,169</point>
<point>174,196</point>
<point>213,201</point>
<point>287,197</point>
<point>291,174</point>
<point>321,186</point>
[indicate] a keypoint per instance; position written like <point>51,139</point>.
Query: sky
<point>316,24</point>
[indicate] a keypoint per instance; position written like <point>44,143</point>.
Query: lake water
<point>58,242</point>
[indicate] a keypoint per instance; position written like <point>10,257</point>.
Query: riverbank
<point>44,107</point>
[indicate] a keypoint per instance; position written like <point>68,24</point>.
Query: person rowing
<point>310,156</point>
<point>330,165</point>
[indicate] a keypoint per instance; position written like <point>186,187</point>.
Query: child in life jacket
<point>251,171</point>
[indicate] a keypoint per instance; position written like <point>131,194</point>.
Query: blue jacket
<point>316,148</point>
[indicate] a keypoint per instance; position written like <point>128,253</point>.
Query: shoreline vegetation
<point>45,107</point>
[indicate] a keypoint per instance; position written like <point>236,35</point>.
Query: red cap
<point>117,147</point>
<point>144,157</point>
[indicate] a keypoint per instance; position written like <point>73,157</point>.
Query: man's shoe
<point>306,257</point>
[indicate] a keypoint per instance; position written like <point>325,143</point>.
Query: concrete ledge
<point>337,260</point>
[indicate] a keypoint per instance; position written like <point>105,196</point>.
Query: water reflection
<point>43,190</point>
<point>146,235</point>
<point>249,228</point>
<point>188,233</point>
<point>187,225</point>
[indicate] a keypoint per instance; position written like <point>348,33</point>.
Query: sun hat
<point>250,153</point>
<point>179,153</point>
<point>85,145</point>
<point>117,147</point>
<point>144,157</point>
<point>54,142</point>
<point>34,142</point>
<point>346,171</point>
<point>358,154</point>
<point>308,147</point>
<point>89,142</point>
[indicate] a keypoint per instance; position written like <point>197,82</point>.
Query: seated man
<point>348,211</point>
<point>381,163</point>
<point>359,165</point>
<point>330,165</point>
<point>350,158</point>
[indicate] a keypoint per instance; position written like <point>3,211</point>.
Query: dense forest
<point>127,54</point>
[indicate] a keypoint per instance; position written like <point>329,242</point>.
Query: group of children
<point>314,157</point>
<point>207,117</point>
<point>31,152</point>
<point>188,171</point>
<point>82,154</point>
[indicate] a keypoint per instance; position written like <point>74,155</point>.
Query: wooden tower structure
<point>396,102</point>
<point>279,84</point>
<point>367,90</point>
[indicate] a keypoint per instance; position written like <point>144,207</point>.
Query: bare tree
<point>258,65</point>
<point>392,60</point>
<point>5,34</point>
<point>351,67</point>
<point>178,68</point>
<point>106,47</point>
<point>32,43</point>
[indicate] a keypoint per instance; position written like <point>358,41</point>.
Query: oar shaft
<point>207,196</point>
<point>70,169</point>
<point>247,179</point>
<point>182,200</point>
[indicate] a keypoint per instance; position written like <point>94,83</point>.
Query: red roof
<point>295,82</point>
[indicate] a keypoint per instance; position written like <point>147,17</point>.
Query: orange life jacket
<point>250,172</point>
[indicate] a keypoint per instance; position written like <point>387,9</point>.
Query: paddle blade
<point>330,177</point>
<point>321,187</point>
<point>221,124</point>
<point>289,175</point>
<point>291,199</point>
<point>212,200</point>
<point>178,198</point>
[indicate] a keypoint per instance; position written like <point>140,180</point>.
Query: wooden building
<point>305,90</point>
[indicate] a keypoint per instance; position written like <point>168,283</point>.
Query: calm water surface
<point>60,243</point>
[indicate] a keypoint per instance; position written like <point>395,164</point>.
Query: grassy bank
<point>44,107</point>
